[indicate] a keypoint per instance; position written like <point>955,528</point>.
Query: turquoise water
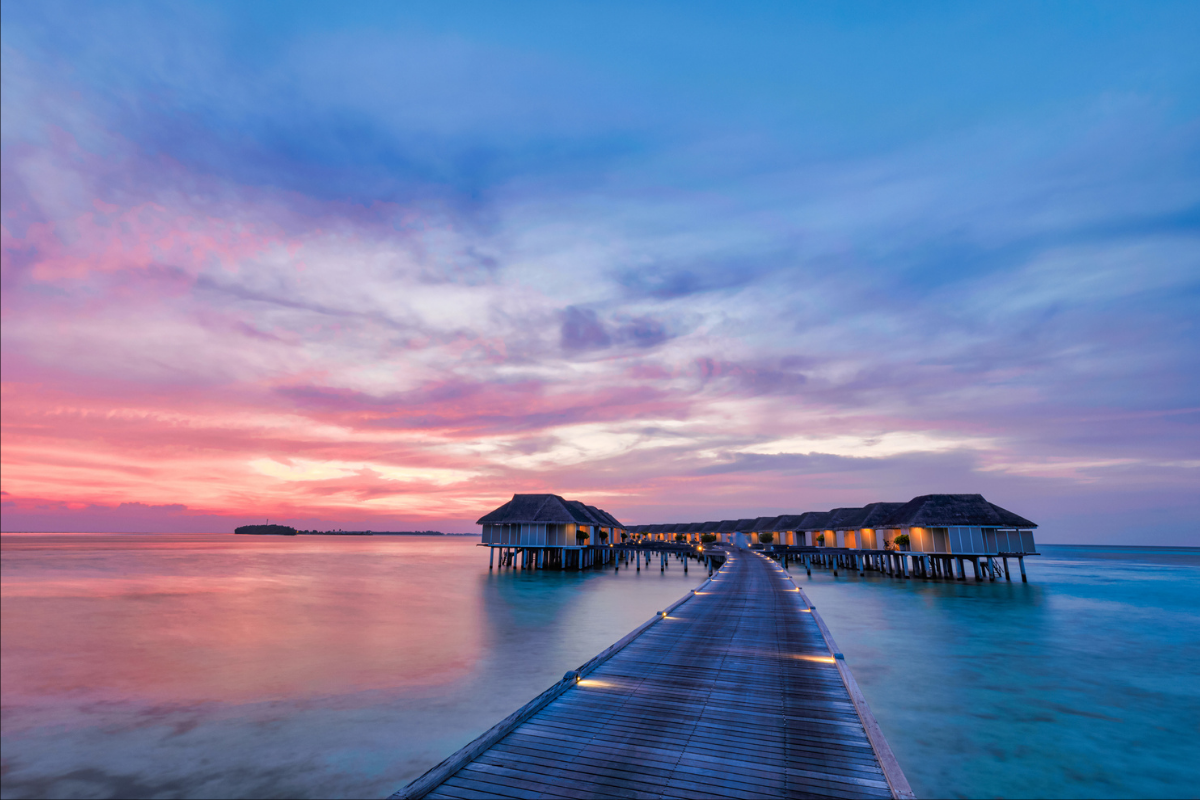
<point>223,666</point>
<point>1084,682</point>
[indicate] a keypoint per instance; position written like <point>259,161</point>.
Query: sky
<point>383,266</point>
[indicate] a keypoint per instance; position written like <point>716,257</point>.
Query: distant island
<point>266,530</point>
<point>287,530</point>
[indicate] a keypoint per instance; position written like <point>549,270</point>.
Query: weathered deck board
<point>734,694</point>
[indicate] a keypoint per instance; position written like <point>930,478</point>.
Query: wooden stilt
<point>1021,562</point>
<point>1007,577</point>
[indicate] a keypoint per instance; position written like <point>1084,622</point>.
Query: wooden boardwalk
<point>733,693</point>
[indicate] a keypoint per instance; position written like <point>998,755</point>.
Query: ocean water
<point>1084,682</point>
<point>235,666</point>
<point>223,666</point>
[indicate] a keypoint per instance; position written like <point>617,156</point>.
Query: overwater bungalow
<point>760,526</point>
<point>864,535</point>
<point>545,529</point>
<point>963,524</point>
<point>926,533</point>
<point>812,526</point>
<point>841,525</point>
<point>726,529</point>
<point>785,528</point>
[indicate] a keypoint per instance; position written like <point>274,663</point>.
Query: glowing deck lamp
<point>817,659</point>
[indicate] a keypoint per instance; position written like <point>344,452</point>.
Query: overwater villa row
<point>546,530</point>
<point>932,523</point>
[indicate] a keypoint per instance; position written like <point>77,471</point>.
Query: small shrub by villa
<point>819,538</point>
<point>901,541</point>
<point>582,536</point>
<point>766,538</point>
<point>708,538</point>
<point>679,537</point>
<point>604,536</point>
<point>624,536</point>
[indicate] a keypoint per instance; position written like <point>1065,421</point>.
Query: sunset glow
<point>373,273</point>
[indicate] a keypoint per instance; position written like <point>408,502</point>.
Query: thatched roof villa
<point>568,532</point>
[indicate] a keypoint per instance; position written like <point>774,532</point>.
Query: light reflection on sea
<point>162,665</point>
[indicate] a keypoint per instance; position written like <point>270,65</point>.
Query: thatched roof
<point>877,513</point>
<point>547,508</point>
<point>927,511</point>
<point>786,522</point>
<point>813,521</point>
<point>845,519</point>
<point>599,516</point>
<point>945,510</point>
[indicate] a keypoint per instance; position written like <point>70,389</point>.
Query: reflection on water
<point>223,666</point>
<point>1081,683</point>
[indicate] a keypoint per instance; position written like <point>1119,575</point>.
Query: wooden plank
<point>717,699</point>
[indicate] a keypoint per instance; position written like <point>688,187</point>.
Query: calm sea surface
<point>223,666</point>
<point>1084,682</point>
